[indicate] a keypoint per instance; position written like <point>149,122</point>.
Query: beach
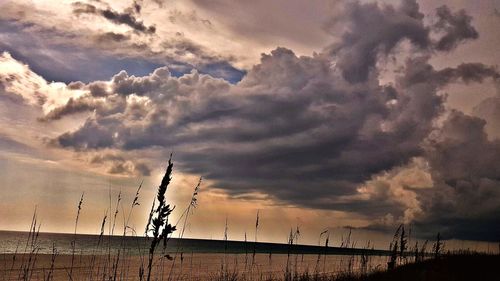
<point>186,267</point>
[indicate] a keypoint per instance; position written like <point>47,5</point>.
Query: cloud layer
<point>92,41</point>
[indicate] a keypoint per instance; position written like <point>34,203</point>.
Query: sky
<point>318,114</point>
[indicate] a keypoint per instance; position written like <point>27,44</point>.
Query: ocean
<point>16,242</point>
<point>189,259</point>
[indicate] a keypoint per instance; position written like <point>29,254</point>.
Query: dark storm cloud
<point>489,110</point>
<point>126,17</point>
<point>469,72</point>
<point>291,122</point>
<point>465,202</point>
<point>310,131</point>
<point>375,29</point>
<point>456,27</point>
<point>418,71</point>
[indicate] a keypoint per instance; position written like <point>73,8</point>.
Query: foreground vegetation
<point>457,267</point>
<point>154,262</point>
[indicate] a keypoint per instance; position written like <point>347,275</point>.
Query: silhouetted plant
<point>394,248</point>
<point>403,241</point>
<point>185,215</point>
<point>255,242</point>
<point>160,227</point>
<point>74,237</point>
<point>326,250</point>
<point>437,246</point>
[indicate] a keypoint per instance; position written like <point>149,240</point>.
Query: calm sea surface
<point>12,242</point>
<point>194,259</point>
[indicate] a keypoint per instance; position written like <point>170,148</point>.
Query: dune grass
<point>155,263</point>
<point>456,267</point>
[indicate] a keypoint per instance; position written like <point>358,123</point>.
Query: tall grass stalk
<point>52,263</point>
<point>193,203</point>
<point>438,246</point>
<point>160,227</point>
<point>96,249</point>
<point>402,244</point>
<point>26,269</point>
<point>74,236</point>
<point>14,259</point>
<point>255,241</point>
<point>30,234</point>
<point>126,226</point>
<point>246,251</point>
<point>393,248</point>
<point>326,251</point>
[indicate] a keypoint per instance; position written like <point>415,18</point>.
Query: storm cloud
<point>375,29</point>
<point>126,17</point>
<point>320,131</point>
<point>465,200</point>
<point>292,124</point>
<point>455,28</point>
